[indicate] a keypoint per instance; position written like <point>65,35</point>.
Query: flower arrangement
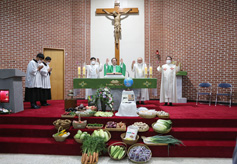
<point>104,95</point>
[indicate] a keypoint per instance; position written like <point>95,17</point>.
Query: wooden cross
<point>117,25</point>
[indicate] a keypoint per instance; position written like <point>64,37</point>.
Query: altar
<point>115,84</point>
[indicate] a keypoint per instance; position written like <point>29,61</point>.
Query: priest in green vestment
<point>114,68</point>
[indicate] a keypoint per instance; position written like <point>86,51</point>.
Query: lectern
<point>11,79</point>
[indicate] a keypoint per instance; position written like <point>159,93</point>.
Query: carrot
<point>93,159</point>
<point>87,159</point>
<point>82,158</point>
<point>97,156</point>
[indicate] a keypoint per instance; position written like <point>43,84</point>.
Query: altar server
<point>33,82</point>
<point>139,72</point>
<point>168,92</point>
<point>114,68</point>
<point>93,71</point>
<point>46,86</point>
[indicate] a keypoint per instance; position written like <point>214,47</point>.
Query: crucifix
<point>116,12</point>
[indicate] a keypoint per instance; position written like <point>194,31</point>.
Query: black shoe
<point>137,102</point>
<point>142,102</point>
<point>45,104</point>
<point>171,104</point>
<point>35,107</point>
<point>165,104</point>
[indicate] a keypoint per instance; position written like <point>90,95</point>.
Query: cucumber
<point>121,154</point>
<point>116,148</point>
<point>118,152</point>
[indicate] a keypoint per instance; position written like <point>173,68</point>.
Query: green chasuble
<point>119,69</point>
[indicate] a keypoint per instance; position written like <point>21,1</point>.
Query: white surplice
<point>45,76</point>
<point>139,72</point>
<point>168,89</point>
<point>33,76</point>
<point>92,71</point>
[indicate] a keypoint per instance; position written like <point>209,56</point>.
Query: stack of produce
<point>102,133</point>
<point>68,114</point>
<point>80,107</point>
<point>162,114</point>
<point>64,123</point>
<point>139,153</point>
<point>94,108</point>
<point>86,113</point>
<point>117,152</point>
<point>81,135</point>
<point>94,126</point>
<point>92,146</point>
<point>61,135</point>
<point>142,126</point>
<point>162,126</point>
<point>147,113</point>
<point>112,124</point>
<point>159,139</point>
<point>104,114</point>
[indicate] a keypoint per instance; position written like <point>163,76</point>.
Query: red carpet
<point>205,131</point>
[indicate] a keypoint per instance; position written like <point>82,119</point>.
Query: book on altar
<point>114,75</point>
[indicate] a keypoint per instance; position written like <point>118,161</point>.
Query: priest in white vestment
<point>93,71</point>
<point>168,89</point>
<point>33,82</point>
<point>46,86</point>
<point>139,72</point>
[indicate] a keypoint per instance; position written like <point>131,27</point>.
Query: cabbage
<point>106,136</point>
<point>101,133</point>
<point>160,127</point>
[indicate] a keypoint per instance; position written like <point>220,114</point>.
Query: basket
<point>147,116</point>
<point>64,123</point>
<point>129,142</point>
<point>94,127</point>
<point>68,116</point>
<point>161,116</point>
<point>60,138</point>
<point>77,140</point>
<point>145,130</point>
<point>138,144</point>
<point>79,125</point>
<point>122,144</point>
<point>86,115</point>
<point>162,132</point>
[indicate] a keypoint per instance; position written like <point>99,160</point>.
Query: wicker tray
<point>138,144</point>
<point>116,129</point>
<point>122,144</point>
<point>128,142</point>
<point>68,116</point>
<point>94,127</point>
<point>160,116</point>
<point>153,144</point>
<point>66,125</point>
<point>60,138</point>
<point>147,116</point>
<point>167,131</point>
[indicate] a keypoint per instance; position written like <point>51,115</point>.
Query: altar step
<point>182,133</point>
<point>192,148</point>
<point>177,122</point>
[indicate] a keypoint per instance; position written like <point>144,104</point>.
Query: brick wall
<point>28,26</point>
<point>200,34</point>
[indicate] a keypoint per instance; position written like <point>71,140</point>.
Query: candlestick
<point>150,71</point>
<point>84,71</point>
<point>145,72</point>
<point>79,71</point>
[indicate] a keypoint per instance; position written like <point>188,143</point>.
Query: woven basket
<point>77,140</point>
<point>147,116</point>
<point>138,144</point>
<point>129,142</point>
<point>162,132</point>
<point>122,144</point>
<point>64,123</point>
<point>60,138</point>
<point>79,125</point>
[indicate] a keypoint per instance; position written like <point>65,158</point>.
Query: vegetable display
<point>117,152</point>
<point>101,133</point>
<point>162,126</point>
<point>104,114</point>
<point>142,126</point>
<point>160,139</point>
<point>92,146</point>
<point>81,135</point>
<point>139,154</point>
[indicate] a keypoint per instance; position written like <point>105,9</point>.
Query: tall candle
<point>150,70</point>
<point>84,70</point>
<point>79,71</point>
<point>145,70</point>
